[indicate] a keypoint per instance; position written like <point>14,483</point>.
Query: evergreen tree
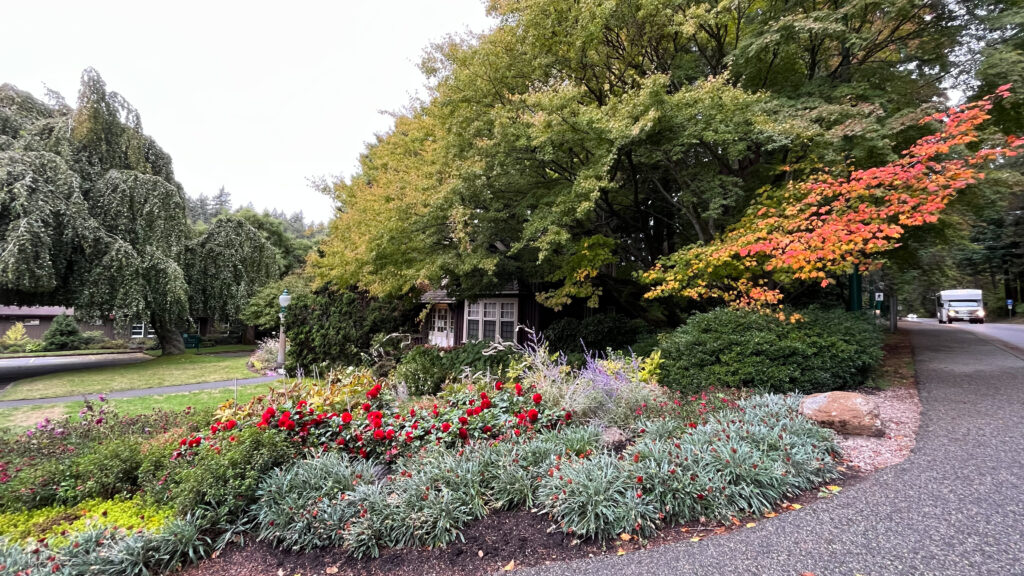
<point>220,203</point>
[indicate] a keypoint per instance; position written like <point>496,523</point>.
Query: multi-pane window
<point>491,320</point>
<point>138,330</point>
<point>440,320</point>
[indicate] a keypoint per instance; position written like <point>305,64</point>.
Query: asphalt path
<point>954,507</point>
<point>12,369</point>
<point>159,391</point>
<point>1008,336</point>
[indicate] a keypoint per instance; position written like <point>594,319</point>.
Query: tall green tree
<point>227,266</point>
<point>92,217</point>
<point>577,143</point>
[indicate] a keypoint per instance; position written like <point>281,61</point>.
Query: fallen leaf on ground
<point>620,552</point>
<point>735,521</point>
<point>770,514</point>
<point>834,488</point>
<point>695,539</point>
<point>331,570</point>
<point>751,524</point>
<point>624,537</point>
<point>797,507</point>
<point>480,553</point>
<point>510,566</point>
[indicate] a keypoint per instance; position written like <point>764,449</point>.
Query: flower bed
<point>343,463</point>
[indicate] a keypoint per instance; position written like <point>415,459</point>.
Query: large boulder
<point>844,412</point>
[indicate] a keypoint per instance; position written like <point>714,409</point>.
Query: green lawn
<point>62,353</point>
<point>169,371</point>
<point>19,419</point>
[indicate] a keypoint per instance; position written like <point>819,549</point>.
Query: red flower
<point>639,479</point>
<point>478,410</point>
<point>692,424</point>
<point>519,389</point>
<point>390,433</point>
<point>446,427</point>
<point>231,438</point>
<point>516,432</point>
<point>498,385</point>
<point>213,429</point>
<point>230,424</point>
<point>346,417</point>
<point>373,392</point>
<point>366,407</point>
<point>568,415</point>
<point>487,429</point>
<point>485,403</point>
<point>463,433</point>
<point>412,412</point>
<point>378,434</point>
<point>700,496</point>
<point>463,420</point>
<point>362,452</point>
<point>537,398</point>
<point>532,415</point>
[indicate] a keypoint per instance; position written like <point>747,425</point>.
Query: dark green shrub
<point>422,370</point>
<point>335,327</point>
<point>108,469</point>
<point>228,480</point>
<point>827,350</point>
<point>595,333</point>
<point>64,334</point>
<point>425,369</point>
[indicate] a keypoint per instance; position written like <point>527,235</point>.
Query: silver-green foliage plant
<point>110,552</point>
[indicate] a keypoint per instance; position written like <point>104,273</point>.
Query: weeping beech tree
<point>227,266</point>
<point>92,217</point>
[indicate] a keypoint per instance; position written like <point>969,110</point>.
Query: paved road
<point>1009,336</point>
<point>12,369</point>
<point>141,392</point>
<point>954,507</point>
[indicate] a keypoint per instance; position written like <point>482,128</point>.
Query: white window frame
<point>479,319</point>
<point>142,329</point>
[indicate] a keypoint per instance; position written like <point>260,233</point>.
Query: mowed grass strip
<point>163,371</point>
<point>21,419</point>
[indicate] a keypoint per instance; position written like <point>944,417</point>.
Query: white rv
<point>959,306</point>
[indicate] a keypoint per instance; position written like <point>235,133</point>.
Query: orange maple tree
<point>827,225</point>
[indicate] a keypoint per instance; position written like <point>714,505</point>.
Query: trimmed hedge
<point>827,350</point>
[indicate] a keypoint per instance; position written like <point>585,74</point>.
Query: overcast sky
<point>254,98</point>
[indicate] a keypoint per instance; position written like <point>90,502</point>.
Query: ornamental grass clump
<point>595,498</point>
<point>304,506</point>
<point>741,461</point>
<point>111,552</point>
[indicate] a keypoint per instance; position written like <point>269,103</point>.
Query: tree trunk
<point>170,339</point>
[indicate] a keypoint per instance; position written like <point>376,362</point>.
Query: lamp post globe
<point>284,300</point>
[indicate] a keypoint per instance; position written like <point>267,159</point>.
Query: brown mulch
<point>501,538</point>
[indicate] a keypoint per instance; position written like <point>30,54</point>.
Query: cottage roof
<point>41,311</point>
<point>439,296</point>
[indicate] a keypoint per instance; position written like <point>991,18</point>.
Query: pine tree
<point>221,203</point>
